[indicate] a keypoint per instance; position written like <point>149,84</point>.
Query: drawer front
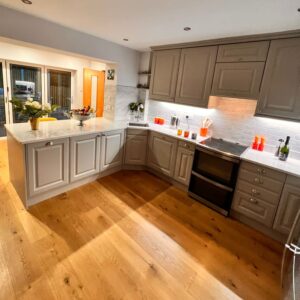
<point>258,192</point>
<point>293,180</point>
<point>254,208</point>
<point>261,181</point>
<point>134,131</point>
<point>187,145</point>
<point>263,171</point>
<point>252,51</point>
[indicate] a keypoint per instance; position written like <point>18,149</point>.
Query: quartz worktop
<point>268,159</point>
<point>67,128</point>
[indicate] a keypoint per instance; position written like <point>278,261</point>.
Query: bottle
<point>284,151</point>
<point>279,147</point>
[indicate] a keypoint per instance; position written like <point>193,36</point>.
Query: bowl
<point>80,117</point>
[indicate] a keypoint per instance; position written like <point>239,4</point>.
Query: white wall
<point>27,28</point>
<point>18,52</point>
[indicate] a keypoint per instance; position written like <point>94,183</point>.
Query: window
<point>26,82</point>
<point>59,92</point>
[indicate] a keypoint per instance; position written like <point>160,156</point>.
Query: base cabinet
<point>136,149</point>
<point>162,153</point>
<point>112,144</point>
<point>288,208</point>
<point>48,165</point>
<point>183,166</point>
<point>84,156</point>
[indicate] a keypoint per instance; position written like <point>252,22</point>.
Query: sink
<point>137,124</point>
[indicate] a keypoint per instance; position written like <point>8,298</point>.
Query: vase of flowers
<point>33,110</point>
<point>136,109</point>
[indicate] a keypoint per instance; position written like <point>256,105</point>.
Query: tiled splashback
<point>233,119</point>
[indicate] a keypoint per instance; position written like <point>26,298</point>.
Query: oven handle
<point>219,154</point>
<point>224,187</point>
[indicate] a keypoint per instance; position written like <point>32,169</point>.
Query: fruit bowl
<point>82,115</point>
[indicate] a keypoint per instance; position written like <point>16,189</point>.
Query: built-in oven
<point>213,178</point>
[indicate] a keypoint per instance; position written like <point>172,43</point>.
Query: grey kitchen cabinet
<point>288,208</point>
<point>195,75</point>
<point>251,51</point>
<point>112,146</point>
<point>238,80</point>
<point>162,153</point>
<point>164,69</point>
<point>183,166</point>
<point>280,90</point>
<point>48,165</point>
<point>136,147</point>
<point>84,156</point>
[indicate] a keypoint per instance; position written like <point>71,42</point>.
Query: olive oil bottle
<point>284,151</point>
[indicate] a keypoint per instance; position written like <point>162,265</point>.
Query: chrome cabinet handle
<point>49,144</point>
<point>255,192</point>
<point>252,200</point>
<point>261,171</point>
<point>257,180</point>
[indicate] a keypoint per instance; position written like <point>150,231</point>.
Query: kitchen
<point>188,183</point>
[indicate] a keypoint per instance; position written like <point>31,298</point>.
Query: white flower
<point>36,105</point>
<point>141,106</point>
<point>29,99</point>
<point>28,102</point>
<point>47,106</point>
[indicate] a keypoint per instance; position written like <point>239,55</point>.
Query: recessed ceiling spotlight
<point>126,40</point>
<point>187,28</point>
<point>298,9</point>
<point>27,1</point>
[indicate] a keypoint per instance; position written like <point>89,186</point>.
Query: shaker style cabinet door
<point>288,209</point>
<point>164,70</point>
<point>280,90</point>
<point>195,76</point>
<point>136,149</point>
<point>84,156</point>
<point>162,153</point>
<point>252,51</point>
<point>238,80</point>
<point>183,166</point>
<point>48,165</point>
<point>112,144</point>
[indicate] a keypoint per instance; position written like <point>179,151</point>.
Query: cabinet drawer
<point>252,51</point>
<point>293,180</point>
<point>263,171</point>
<point>261,181</point>
<point>187,145</point>
<point>134,131</point>
<point>258,192</point>
<point>254,208</point>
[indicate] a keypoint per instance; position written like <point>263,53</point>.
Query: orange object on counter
<point>203,131</point>
<point>255,142</point>
<point>156,120</point>
<point>179,132</point>
<point>161,121</point>
<point>261,145</point>
<point>186,134</point>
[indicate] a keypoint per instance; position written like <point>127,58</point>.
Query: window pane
<point>26,82</point>
<point>59,92</point>
<point>2,104</point>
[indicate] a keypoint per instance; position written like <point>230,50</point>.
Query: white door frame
<point>11,62</point>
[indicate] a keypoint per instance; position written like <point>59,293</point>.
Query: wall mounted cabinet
<point>164,71</point>
<point>280,91</point>
<point>238,80</point>
<point>195,75</point>
<point>252,51</point>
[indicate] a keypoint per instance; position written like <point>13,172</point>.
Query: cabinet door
<point>238,80</point>
<point>48,165</point>
<point>136,149</point>
<point>183,166</point>
<point>289,206</point>
<point>280,91</point>
<point>164,71</point>
<point>161,153</point>
<point>196,71</point>
<point>252,51</point>
<point>84,156</point>
<point>112,149</point>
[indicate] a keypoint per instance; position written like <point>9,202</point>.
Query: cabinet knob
<point>255,192</point>
<point>252,200</point>
<point>49,144</point>
<point>258,180</point>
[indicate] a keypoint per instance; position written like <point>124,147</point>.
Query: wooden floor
<point>129,236</point>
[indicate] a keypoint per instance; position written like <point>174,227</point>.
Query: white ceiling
<point>154,22</point>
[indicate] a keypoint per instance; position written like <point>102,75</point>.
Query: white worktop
<point>291,166</point>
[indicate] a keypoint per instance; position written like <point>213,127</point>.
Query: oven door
<point>216,166</point>
<point>211,193</point>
